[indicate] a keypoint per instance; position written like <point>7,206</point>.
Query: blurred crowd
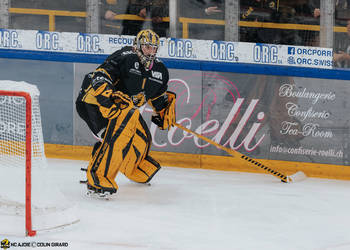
<point>127,17</point>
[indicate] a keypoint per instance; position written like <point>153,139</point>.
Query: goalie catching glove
<point>121,100</point>
<point>111,103</point>
<point>166,117</point>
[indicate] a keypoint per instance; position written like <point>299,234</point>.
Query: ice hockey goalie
<point>108,102</point>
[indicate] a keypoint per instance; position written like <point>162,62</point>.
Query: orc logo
<point>88,43</point>
<point>47,40</point>
<point>180,48</point>
<point>265,53</point>
<point>223,51</point>
<point>9,39</point>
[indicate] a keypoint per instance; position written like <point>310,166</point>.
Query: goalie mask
<point>146,44</point>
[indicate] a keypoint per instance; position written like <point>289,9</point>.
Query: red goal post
<point>28,156</point>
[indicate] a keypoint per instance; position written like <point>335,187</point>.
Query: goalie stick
<point>284,178</point>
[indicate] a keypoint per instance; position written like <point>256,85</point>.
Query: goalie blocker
<point>109,100</point>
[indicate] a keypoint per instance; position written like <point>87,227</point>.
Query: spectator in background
<point>268,11</point>
<point>315,8</point>
<point>154,9</point>
<point>303,15</point>
<point>109,13</point>
<point>109,9</point>
<point>214,7</point>
<point>212,10</point>
<point>203,9</point>
<point>341,54</point>
<point>302,8</point>
<point>341,14</point>
<point>340,5</point>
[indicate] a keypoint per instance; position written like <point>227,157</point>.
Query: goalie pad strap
<point>156,167</point>
<point>145,171</point>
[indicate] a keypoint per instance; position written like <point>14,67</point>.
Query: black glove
<point>157,119</point>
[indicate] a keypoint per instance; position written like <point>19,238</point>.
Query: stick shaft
<point>234,153</point>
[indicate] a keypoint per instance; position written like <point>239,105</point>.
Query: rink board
<point>292,116</point>
<point>224,163</point>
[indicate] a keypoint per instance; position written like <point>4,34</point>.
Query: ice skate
<point>100,193</point>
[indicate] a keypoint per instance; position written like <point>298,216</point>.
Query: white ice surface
<point>203,209</point>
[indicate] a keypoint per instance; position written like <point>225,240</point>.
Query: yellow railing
<point>50,13</point>
<point>184,20</point>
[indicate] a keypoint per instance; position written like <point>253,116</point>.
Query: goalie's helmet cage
<point>146,38</point>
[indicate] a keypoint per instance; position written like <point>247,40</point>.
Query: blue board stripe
<point>340,74</point>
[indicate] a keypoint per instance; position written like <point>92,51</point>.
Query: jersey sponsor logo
<point>135,71</point>
<point>156,80</point>
<point>127,53</point>
<point>157,75</point>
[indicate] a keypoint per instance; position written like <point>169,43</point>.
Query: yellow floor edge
<point>225,163</point>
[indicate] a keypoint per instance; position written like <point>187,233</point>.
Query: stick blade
<point>298,176</point>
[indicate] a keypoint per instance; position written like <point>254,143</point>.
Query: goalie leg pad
<point>138,148</point>
<point>145,171</point>
<point>140,167</point>
<point>110,156</point>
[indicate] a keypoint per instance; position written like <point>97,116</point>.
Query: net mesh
<point>13,128</point>
<point>46,198</point>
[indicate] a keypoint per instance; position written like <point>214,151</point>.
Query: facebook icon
<point>291,50</point>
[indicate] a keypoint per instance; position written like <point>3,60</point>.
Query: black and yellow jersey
<point>121,71</point>
<point>128,75</point>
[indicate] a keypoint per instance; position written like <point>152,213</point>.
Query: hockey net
<point>28,203</point>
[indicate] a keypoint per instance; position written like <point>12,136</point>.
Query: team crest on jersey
<point>157,75</point>
<point>137,65</point>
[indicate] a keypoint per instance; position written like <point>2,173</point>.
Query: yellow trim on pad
<point>214,162</point>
